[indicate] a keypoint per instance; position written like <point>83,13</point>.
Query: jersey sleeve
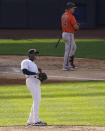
<point>62,21</point>
<point>73,20</point>
<point>24,65</point>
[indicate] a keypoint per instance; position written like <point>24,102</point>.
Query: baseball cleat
<point>40,124</point>
<point>29,124</point>
<point>73,67</point>
<point>65,69</point>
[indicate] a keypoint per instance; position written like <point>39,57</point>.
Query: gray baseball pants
<point>70,47</point>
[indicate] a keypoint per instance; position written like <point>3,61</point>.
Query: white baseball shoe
<point>66,69</point>
<point>73,67</point>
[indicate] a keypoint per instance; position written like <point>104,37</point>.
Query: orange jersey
<point>67,22</point>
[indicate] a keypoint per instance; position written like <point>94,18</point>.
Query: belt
<point>66,31</point>
<point>31,76</point>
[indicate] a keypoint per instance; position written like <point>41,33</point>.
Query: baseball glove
<point>42,77</point>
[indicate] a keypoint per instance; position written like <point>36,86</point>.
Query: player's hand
<point>78,24</point>
<point>42,76</point>
<point>76,30</point>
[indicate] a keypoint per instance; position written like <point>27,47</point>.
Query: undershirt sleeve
<point>27,72</point>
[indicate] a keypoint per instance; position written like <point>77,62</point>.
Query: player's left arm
<point>75,24</point>
<point>76,27</point>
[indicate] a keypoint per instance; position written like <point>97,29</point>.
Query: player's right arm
<point>24,68</point>
<point>27,72</point>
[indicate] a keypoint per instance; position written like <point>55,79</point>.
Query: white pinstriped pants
<point>70,47</point>
<point>33,85</point>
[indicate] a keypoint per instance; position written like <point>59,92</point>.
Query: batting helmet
<point>70,5</point>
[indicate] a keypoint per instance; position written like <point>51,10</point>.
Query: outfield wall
<point>38,14</point>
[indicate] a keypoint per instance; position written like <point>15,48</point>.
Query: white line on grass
<point>76,78</point>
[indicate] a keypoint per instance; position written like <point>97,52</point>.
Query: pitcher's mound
<point>88,69</point>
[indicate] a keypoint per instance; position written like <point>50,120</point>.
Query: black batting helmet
<point>70,5</point>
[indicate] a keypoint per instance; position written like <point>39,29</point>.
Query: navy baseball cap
<point>32,51</point>
<point>70,5</point>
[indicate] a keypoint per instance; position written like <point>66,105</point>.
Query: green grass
<point>75,103</point>
<point>86,48</point>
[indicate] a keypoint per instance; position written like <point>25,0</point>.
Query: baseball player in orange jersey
<point>69,27</point>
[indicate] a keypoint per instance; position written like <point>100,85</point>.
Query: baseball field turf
<point>74,103</point>
<point>93,48</point>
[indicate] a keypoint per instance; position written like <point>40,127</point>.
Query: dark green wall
<point>45,14</point>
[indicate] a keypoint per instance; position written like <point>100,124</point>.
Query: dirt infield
<point>53,128</point>
<point>88,69</point>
